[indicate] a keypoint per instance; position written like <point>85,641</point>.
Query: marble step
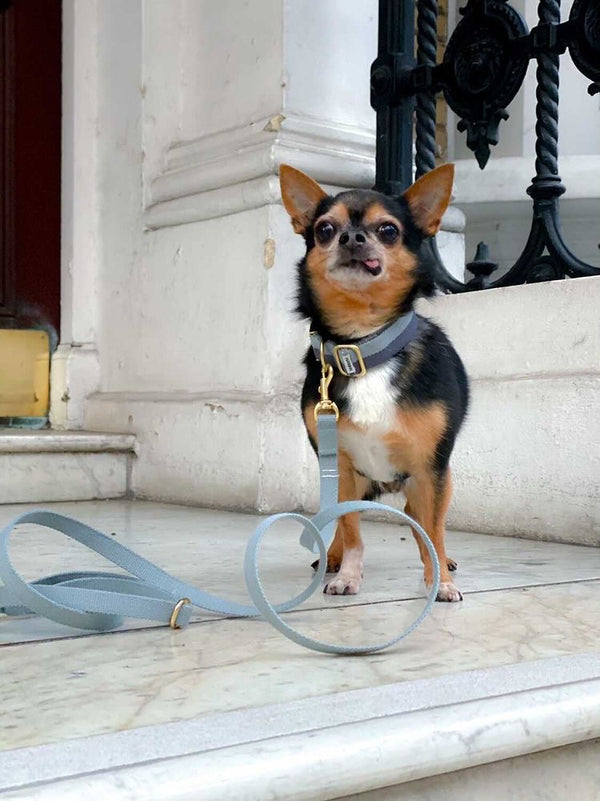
<point>45,466</point>
<point>494,698</point>
<point>515,733</point>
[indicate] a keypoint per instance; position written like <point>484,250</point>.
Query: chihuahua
<point>401,388</point>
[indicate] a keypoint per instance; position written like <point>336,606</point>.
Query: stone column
<point>200,349</point>
<point>75,364</point>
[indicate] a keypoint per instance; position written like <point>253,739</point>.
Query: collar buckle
<point>349,360</point>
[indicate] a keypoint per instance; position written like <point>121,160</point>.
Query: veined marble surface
<point>206,548</point>
<point>47,763</point>
<point>523,601</point>
<point>553,775</point>
<point>334,761</point>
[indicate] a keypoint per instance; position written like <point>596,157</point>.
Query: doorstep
<point>45,465</point>
<point>229,708</point>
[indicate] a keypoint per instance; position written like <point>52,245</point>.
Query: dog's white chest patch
<point>372,408</point>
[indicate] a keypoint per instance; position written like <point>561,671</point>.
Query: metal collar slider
<point>353,359</point>
<point>349,360</point>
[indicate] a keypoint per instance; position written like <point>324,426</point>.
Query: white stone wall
<point>528,460</point>
<point>178,269</point>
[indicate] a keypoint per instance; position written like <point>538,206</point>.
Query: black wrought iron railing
<point>482,70</point>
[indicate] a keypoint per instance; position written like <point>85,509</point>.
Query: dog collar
<point>353,359</point>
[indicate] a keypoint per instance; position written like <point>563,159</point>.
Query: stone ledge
<point>45,477</point>
<point>45,466</point>
<point>548,329</point>
<point>236,170</point>
<point>505,180</point>
<point>336,154</point>
<point>49,441</point>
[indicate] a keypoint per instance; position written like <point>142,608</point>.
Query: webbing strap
<point>375,349</point>
<point>329,478</point>
<point>99,601</point>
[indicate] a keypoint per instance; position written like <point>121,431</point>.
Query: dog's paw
<point>452,565</point>
<point>344,584</point>
<point>448,592</point>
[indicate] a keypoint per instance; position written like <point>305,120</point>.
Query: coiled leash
<point>98,601</point>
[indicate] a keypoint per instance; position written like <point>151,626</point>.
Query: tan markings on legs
<point>428,499</point>
<point>335,552</point>
<point>443,502</point>
<point>420,493</point>
<point>412,445</point>
<point>421,545</point>
<point>452,565</point>
<point>352,487</point>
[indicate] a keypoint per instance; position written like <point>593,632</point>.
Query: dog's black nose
<point>352,238</point>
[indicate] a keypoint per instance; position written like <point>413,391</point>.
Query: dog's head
<point>361,266</point>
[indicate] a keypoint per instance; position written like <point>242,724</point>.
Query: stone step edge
<point>395,734</point>
<point>51,441</point>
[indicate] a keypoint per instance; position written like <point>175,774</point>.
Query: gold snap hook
<point>325,404</point>
<point>326,379</point>
<point>327,407</point>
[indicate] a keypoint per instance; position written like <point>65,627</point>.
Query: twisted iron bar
<point>547,77</point>
<point>394,114</point>
<point>427,14</point>
<point>546,186</point>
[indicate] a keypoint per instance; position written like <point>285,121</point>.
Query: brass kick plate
<point>24,373</point>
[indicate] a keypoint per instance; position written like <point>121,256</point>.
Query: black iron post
<point>426,57</point>
<point>394,112</point>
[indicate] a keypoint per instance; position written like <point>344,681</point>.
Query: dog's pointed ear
<point>301,196</point>
<point>428,198</point>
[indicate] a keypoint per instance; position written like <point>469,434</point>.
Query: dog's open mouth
<point>371,266</point>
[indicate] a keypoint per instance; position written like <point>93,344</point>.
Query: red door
<point>30,147</point>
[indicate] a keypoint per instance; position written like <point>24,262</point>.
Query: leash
<point>98,601</point>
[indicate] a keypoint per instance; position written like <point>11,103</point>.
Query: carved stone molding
<point>235,170</point>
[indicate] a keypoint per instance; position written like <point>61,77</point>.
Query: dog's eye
<point>388,233</point>
<point>325,232</point>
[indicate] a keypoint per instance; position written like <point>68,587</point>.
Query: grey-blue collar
<point>353,359</point>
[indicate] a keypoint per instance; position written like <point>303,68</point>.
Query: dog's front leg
<point>347,543</point>
<point>428,497</point>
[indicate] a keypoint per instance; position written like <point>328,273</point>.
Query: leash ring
<point>314,526</point>
<point>173,624</point>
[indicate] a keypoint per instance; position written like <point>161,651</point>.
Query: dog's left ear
<point>428,198</point>
<point>301,196</point>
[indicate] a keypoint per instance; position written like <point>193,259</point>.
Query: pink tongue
<point>372,264</point>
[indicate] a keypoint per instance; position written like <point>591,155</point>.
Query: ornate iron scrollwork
<point>483,68</point>
<point>484,71</point>
<point>585,45</point>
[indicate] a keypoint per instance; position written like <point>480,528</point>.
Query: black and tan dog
<point>400,418</point>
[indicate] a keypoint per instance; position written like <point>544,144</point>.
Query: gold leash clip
<point>325,405</point>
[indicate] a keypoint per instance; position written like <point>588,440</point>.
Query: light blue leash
<point>99,600</point>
